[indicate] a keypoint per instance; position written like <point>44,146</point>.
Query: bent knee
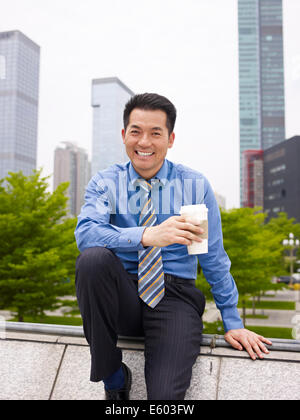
<point>94,258</point>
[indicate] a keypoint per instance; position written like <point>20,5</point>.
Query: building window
<point>273,196</point>
<point>276,182</point>
<point>277,169</point>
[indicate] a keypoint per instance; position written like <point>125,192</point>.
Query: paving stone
<point>73,380</point>
<point>31,337</point>
<point>242,379</point>
<point>27,369</point>
<point>31,370</point>
<point>204,379</point>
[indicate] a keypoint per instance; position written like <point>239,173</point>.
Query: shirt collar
<point>161,174</point>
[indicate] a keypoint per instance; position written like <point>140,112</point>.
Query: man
<point>134,275</point>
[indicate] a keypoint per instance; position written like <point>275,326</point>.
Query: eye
<point>134,132</point>
<point>156,134</point>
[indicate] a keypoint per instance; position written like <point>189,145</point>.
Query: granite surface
<point>43,367</point>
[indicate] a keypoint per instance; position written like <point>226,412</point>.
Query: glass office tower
<point>19,90</point>
<point>71,165</point>
<point>261,76</point>
<point>109,96</point>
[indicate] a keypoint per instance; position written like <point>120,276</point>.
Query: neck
<point>146,174</point>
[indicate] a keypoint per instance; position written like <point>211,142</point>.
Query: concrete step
<point>57,367</point>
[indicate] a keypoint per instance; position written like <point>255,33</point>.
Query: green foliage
<point>272,332</point>
<point>37,247</point>
<point>282,226</point>
<point>272,304</point>
<point>58,320</point>
<point>213,328</point>
<point>255,250</point>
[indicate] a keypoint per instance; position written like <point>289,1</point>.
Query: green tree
<point>282,226</point>
<point>254,250</point>
<point>37,247</point>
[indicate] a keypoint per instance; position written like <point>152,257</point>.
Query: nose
<point>144,140</point>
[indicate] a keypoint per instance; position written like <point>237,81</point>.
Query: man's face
<point>147,140</point>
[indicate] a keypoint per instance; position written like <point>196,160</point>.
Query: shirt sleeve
<point>216,266</point>
<point>94,227</point>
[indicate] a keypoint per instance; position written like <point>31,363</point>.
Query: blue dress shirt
<point>109,218</point>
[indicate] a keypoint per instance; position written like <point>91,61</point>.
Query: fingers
<point>184,233</point>
<point>259,347</point>
<point>192,228</point>
<point>265,340</point>
<point>263,347</point>
<point>249,348</point>
<point>189,224</point>
<point>189,236</point>
<point>256,349</point>
<point>251,342</point>
<point>235,344</point>
<point>189,231</point>
<point>184,238</point>
<point>252,348</point>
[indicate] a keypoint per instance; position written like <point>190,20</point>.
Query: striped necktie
<point>150,270</point>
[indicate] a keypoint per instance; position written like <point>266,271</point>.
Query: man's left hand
<point>249,340</point>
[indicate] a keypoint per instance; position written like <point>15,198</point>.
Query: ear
<point>171,140</point>
<point>123,135</point>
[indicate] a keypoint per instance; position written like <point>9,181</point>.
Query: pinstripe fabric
<point>172,331</point>
<point>150,269</point>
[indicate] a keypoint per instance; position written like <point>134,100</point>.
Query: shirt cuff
<point>131,238</point>
<point>231,319</point>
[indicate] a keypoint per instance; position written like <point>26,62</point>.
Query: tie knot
<point>146,185</point>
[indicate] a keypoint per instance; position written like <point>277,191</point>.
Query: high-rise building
<point>109,96</point>
<point>253,178</point>
<point>71,165</point>
<point>261,76</point>
<point>221,200</point>
<point>282,179</point>
<point>19,92</point>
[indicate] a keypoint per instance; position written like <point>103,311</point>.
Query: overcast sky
<point>185,50</point>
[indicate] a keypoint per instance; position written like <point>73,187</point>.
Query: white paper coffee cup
<point>197,213</point>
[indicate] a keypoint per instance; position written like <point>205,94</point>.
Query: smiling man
<point>134,275</point>
<point>147,140</point>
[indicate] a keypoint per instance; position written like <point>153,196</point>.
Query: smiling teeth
<point>144,154</point>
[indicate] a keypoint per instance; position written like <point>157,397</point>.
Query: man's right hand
<point>174,230</point>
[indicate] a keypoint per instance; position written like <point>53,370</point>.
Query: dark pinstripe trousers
<point>110,306</point>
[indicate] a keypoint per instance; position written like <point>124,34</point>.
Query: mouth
<point>144,154</point>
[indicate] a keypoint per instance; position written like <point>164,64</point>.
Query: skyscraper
<point>19,92</point>
<point>282,179</point>
<point>221,200</point>
<point>261,76</point>
<point>109,96</point>
<point>71,165</point>
<point>253,178</point>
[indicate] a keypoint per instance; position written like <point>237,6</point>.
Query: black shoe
<point>123,393</point>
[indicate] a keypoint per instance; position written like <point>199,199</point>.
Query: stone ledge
<point>44,366</point>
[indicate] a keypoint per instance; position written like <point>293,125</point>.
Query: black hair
<point>151,101</point>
